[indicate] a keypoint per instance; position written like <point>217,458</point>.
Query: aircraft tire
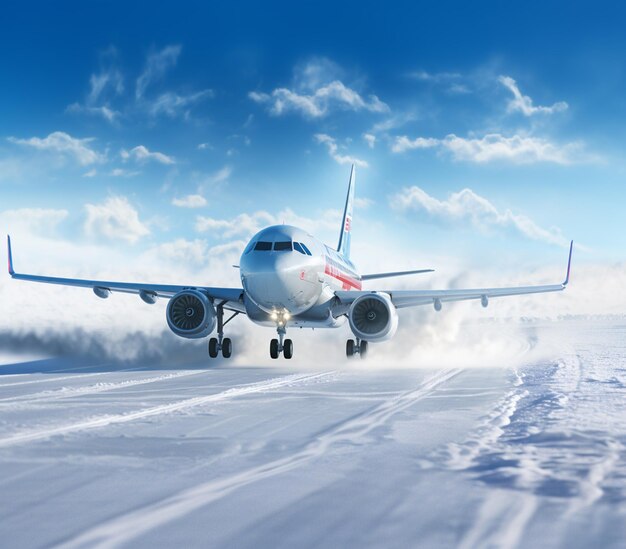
<point>350,348</point>
<point>288,349</point>
<point>363,349</point>
<point>274,348</point>
<point>227,347</point>
<point>213,347</point>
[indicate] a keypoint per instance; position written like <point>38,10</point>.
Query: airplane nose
<point>279,282</point>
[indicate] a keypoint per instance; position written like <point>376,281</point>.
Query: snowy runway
<point>102,455</point>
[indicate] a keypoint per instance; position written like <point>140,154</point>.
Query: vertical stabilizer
<point>346,225</point>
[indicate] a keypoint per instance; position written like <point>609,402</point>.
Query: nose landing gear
<point>281,345</point>
<point>358,347</point>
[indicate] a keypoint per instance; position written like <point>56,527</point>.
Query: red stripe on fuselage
<point>347,281</point>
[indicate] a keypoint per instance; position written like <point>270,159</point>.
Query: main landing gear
<point>281,345</point>
<point>358,347</point>
<point>221,343</point>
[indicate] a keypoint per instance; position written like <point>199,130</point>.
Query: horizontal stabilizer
<point>397,273</point>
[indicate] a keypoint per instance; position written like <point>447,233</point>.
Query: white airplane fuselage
<point>287,272</point>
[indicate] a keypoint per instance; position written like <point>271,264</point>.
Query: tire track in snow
<point>114,419</point>
<point>123,529</point>
<point>69,392</point>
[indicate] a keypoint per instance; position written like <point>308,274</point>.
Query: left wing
<point>232,298</point>
<point>411,298</point>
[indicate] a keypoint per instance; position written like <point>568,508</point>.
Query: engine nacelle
<point>373,317</point>
<point>190,314</point>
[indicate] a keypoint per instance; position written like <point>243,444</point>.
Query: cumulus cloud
<point>495,147</point>
<point>64,144</point>
<point>468,207</point>
<point>320,102</point>
<point>157,65</point>
<point>333,151</point>
<point>142,154</point>
<point>121,172</point>
<point>190,201</point>
<point>317,90</point>
<point>115,219</point>
<point>524,104</point>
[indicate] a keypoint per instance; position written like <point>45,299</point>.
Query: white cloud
<point>120,172</point>
<point>333,151</point>
<point>205,146</point>
<point>524,104</point>
<point>104,111</point>
<point>494,147</point>
<point>319,103</point>
<point>32,220</point>
<point>157,65</point>
<point>190,201</point>
<point>63,143</point>
<point>99,83</point>
<point>173,105</point>
<point>466,206</point>
<point>91,173</point>
<point>245,225</point>
<point>370,139</point>
<point>435,76</point>
<point>106,83</point>
<point>219,176</point>
<point>142,154</point>
<point>116,219</point>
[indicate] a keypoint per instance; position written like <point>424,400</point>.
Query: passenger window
<point>306,250</point>
<point>298,247</point>
<point>263,246</point>
<point>282,246</point>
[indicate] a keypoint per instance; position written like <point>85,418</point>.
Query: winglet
<point>569,263</point>
<point>11,271</point>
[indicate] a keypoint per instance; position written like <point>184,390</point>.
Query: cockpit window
<point>298,247</point>
<point>263,246</point>
<point>306,250</point>
<point>282,246</point>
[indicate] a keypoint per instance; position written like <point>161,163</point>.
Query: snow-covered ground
<point>98,454</point>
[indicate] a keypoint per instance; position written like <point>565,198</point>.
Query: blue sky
<point>486,131</point>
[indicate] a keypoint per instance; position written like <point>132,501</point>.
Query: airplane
<point>292,280</point>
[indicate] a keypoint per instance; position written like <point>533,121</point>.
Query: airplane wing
<point>231,298</point>
<point>374,276</point>
<point>411,298</point>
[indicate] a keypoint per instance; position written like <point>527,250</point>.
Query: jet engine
<point>373,317</point>
<point>190,314</point>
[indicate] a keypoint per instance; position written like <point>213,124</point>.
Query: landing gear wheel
<point>350,348</point>
<point>363,349</point>
<point>274,348</point>
<point>213,347</point>
<point>288,349</point>
<point>227,347</point>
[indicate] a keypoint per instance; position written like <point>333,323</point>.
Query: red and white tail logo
<point>348,224</point>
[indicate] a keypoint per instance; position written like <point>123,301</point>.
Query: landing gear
<point>358,347</point>
<point>221,343</point>
<point>281,345</point>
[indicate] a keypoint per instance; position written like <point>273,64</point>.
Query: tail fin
<point>346,225</point>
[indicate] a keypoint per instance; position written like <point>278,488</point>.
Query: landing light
<point>274,315</point>
<point>286,315</point>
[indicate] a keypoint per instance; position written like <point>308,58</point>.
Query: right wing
<point>231,298</point>
<point>374,276</point>
<point>411,298</point>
